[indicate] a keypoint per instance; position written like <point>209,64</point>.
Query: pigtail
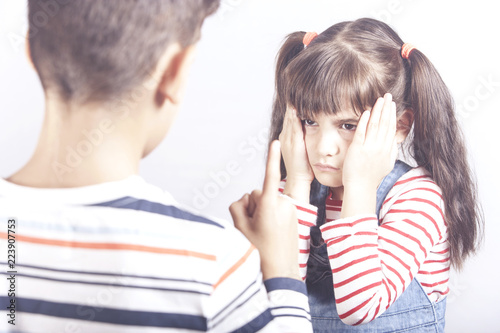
<point>438,145</point>
<point>292,46</point>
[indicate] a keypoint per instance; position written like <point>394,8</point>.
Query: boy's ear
<point>175,73</point>
<point>28,53</point>
<point>405,121</point>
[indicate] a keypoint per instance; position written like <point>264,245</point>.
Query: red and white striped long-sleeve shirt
<point>373,264</point>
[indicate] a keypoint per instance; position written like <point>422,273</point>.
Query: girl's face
<point>327,138</point>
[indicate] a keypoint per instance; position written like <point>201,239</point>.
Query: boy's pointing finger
<point>272,178</point>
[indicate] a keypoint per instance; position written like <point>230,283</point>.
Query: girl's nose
<point>328,143</point>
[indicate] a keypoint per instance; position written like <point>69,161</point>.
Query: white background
<point>223,123</point>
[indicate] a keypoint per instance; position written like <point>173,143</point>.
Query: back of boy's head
<point>96,50</point>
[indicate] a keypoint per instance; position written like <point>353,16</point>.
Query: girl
<point>377,238</point>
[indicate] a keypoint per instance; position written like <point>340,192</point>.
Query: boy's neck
<point>83,146</point>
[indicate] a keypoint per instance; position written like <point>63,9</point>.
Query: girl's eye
<point>349,127</point>
<point>308,122</point>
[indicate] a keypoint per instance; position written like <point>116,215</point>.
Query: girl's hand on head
<point>373,151</point>
<point>293,148</point>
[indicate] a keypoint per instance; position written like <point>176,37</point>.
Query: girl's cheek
<point>347,136</point>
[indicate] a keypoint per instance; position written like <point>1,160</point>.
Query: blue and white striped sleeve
<point>242,302</point>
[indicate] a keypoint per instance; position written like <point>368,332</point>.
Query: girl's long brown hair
<point>350,65</point>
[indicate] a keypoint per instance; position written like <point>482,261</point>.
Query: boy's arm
<point>270,223</point>
<point>241,301</point>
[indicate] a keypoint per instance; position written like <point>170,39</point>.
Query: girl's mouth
<point>325,167</point>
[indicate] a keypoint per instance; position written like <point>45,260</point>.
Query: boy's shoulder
<point>131,204</point>
<point>174,225</point>
<point>132,215</point>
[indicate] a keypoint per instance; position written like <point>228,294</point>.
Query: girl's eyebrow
<point>348,120</point>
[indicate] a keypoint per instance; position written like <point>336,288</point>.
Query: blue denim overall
<point>411,312</point>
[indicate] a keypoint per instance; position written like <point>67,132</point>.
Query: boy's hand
<point>370,157</point>
<point>298,169</point>
<point>270,223</point>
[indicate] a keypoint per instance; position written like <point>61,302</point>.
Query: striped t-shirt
<point>373,264</point>
<point>123,256</point>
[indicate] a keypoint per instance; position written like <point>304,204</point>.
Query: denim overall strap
<point>411,312</point>
<point>317,198</point>
<point>400,168</point>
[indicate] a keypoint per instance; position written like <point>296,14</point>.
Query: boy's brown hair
<point>95,50</point>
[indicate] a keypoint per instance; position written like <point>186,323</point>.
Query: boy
<point>93,247</point>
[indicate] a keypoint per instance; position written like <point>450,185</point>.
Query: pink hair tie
<point>406,50</point>
<point>308,38</point>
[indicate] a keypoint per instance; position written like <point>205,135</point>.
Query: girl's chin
<point>327,181</point>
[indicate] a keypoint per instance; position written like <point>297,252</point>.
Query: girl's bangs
<point>316,84</point>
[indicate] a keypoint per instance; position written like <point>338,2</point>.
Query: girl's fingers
<point>385,116</point>
<point>292,124</point>
<point>285,127</point>
<point>297,124</point>
<point>292,127</point>
<point>373,123</point>
<point>381,121</point>
<point>360,134</point>
<point>286,134</point>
